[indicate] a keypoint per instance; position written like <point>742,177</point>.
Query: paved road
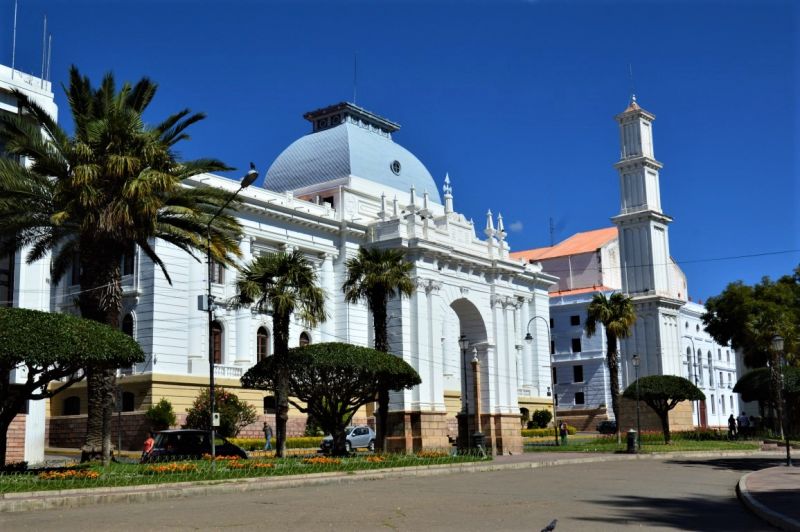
<point>648,495</point>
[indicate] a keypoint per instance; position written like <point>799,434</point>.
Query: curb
<point>772,517</point>
<point>75,498</point>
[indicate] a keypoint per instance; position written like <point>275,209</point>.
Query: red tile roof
<point>585,242</point>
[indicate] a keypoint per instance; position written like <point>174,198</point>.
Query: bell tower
<point>644,248</point>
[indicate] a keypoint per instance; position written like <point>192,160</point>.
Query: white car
<point>360,436</point>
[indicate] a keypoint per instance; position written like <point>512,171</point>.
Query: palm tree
<point>282,284</point>
<point>375,276</point>
<point>114,184</point>
<point>617,315</point>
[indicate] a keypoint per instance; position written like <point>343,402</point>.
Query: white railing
<point>221,370</point>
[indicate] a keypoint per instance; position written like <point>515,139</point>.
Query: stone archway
<point>472,327</point>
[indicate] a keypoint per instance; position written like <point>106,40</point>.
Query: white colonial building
<point>633,258</point>
<point>344,185</point>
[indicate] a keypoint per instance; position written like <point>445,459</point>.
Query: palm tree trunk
<point>379,325</point>
<point>613,377</point>
<point>280,325</point>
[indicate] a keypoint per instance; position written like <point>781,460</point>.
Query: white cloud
<point>515,227</point>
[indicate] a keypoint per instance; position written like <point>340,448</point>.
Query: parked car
<point>607,427</point>
<point>189,444</point>
<point>360,436</point>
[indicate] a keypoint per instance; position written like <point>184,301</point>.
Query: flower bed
<point>432,454</point>
<point>322,460</point>
<point>69,474</point>
<point>250,465</point>
<point>172,467</point>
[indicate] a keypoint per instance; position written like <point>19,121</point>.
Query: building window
<point>551,323</point>
<point>555,378</point>
<point>731,401</point>
<point>721,379</point>
<point>75,274</point>
<point>7,281</point>
<point>576,345</point>
<point>719,354</point>
<point>713,405</point>
<point>305,339</point>
<point>72,406</point>
<point>552,347</point>
<point>697,328</point>
<point>579,398</point>
<point>128,260</point>
<point>127,325</point>
<point>127,401</point>
<point>217,273</point>
<point>729,380</point>
<point>728,355</point>
<point>269,404</point>
<point>574,320</point>
<point>577,373</point>
<point>262,344</point>
<point>216,341</point>
<point>710,371</point>
<point>722,403</point>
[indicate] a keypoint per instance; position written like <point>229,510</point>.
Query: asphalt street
<point>686,494</point>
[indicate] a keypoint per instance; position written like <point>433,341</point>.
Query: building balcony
<point>233,372</point>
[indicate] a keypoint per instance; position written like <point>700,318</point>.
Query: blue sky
<point>515,99</point>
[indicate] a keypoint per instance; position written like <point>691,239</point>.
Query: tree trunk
<point>664,417</point>
<point>280,326</point>
<point>613,377</point>
<point>101,301</point>
<point>378,306</point>
<point>775,394</point>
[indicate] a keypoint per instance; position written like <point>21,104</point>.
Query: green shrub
<point>234,414</point>
<point>160,415</point>
<point>687,435</point>
<point>312,427</point>
<point>255,444</point>
<point>540,433</point>
<point>541,418</point>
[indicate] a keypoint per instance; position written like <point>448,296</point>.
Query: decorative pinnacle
<point>448,190</point>
<point>489,222</point>
<point>500,227</point>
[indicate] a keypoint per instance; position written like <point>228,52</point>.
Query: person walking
<point>731,427</point>
<point>267,428</point>
<point>149,442</point>
<point>562,431</point>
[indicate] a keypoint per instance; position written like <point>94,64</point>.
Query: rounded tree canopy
<point>45,338</point>
<point>664,387</point>
<point>336,360</point>
<point>755,384</point>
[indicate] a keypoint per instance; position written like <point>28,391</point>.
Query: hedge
<point>540,433</point>
<point>255,444</point>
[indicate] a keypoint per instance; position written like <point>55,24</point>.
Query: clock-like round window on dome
<point>395,166</point>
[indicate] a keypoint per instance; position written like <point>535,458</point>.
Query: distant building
<point>668,334</point>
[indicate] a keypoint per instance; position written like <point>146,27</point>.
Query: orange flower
<point>322,460</point>
<point>69,474</point>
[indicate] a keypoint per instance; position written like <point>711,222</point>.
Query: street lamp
<point>636,362</point>
<point>529,340</point>
<point>247,180</point>
<point>777,346</point>
<point>463,343</point>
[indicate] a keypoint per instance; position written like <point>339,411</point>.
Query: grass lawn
<point>131,474</point>
<point>609,445</point>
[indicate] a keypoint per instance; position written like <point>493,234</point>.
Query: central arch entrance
<point>472,341</point>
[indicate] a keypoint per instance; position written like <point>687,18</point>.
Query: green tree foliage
<point>331,381</point>
<point>161,416</point>
<point>541,418</point>
<point>46,347</point>
<point>114,185</point>
<point>662,393</point>
<point>376,276</point>
<point>283,284</point>
<point>617,316</point>
<point>234,414</point>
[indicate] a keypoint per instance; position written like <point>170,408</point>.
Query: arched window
<point>262,344</point>
<point>72,406</point>
<point>305,339</point>
<point>127,325</point>
<point>269,404</point>
<point>710,370</point>
<point>127,401</point>
<point>216,341</point>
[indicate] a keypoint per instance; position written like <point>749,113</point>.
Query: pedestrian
<point>149,442</point>
<point>562,431</point>
<point>267,436</point>
<point>731,427</point>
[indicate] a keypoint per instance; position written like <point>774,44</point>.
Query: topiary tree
<point>541,418</point>
<point>662,393</point>
<point>234,414</point>
<point>331,381</point>
<point>46,347</point>
<point>160,415</point>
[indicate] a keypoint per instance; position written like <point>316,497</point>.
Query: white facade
<point>26,285</point>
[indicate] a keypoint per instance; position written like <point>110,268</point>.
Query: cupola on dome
<point>348,141</point>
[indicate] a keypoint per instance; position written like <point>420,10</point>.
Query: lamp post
<point>636,362</point>
<point>247,180</point>
<point>463,343</point>
<point>529,340</point>
<point>777,346</point>
<point>477,437</point>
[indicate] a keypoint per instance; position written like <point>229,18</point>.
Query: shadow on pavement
<point>686,513</point>
<point>745,465</point>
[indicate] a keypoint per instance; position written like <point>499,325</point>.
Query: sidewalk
<point>773,494</point>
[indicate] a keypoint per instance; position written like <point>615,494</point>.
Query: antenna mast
<point>633,88</point>
<point>14,42</point>
<point>552,233</point>
<point>49,54</point>
<point>44,52</point>
<point>355,76</point>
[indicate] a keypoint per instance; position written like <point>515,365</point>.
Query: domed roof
<point>349,141</point>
